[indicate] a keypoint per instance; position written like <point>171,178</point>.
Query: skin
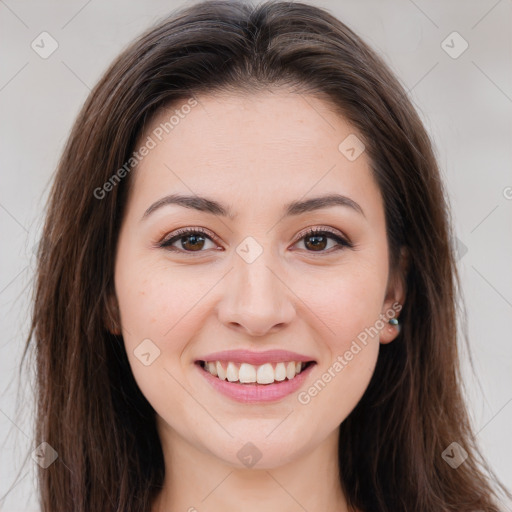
<point>253,153</point>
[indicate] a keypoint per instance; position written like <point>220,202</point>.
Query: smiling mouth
<point>245,373</point>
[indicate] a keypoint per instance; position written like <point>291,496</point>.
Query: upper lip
<point>248,356</point>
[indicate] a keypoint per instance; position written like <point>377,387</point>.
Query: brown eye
<point>193,242</point>
<point>318,240</point>
<point>315,242</point>
<point>188,241</point>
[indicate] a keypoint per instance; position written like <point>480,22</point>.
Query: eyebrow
<point>204,204</point>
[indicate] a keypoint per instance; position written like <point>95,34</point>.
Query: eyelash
<point>182,233</point>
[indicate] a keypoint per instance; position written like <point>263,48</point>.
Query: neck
<point>197,481</point>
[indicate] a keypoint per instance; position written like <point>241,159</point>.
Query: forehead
<point>271,146</point>
<point>272,121</point>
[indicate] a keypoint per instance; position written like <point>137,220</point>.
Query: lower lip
<point>250,393</point>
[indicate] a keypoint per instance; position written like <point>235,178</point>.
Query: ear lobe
<point>111,320</point>
<point>388,333</point>
<point>395,298</point>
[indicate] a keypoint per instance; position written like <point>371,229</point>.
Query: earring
<point>394,323</point>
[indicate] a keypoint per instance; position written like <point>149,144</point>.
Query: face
<point>236,270</point>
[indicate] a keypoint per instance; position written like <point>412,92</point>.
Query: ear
<point>395,298</point>
<point>111,319</point>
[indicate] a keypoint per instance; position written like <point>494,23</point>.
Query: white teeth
<point>290,370</point>
<point>232,372</point>
<point>280,372</point>
<point>246,373</point>
<point>220,371</point>
<point>265,374</point>
<point>212,368</point>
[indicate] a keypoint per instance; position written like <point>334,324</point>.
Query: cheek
<point>351,348</point>
<point>155,303</point>
<point>348,304</point>
<point>167,307</point>
<point>154,319</point>
<point>338,389</point>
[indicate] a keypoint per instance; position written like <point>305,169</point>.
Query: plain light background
<point>465,102</point>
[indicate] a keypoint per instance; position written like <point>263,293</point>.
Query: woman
<point>246,288</point>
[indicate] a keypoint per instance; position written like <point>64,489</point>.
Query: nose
<point>256,298</point>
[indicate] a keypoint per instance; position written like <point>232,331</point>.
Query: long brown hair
<point>89,408</point>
